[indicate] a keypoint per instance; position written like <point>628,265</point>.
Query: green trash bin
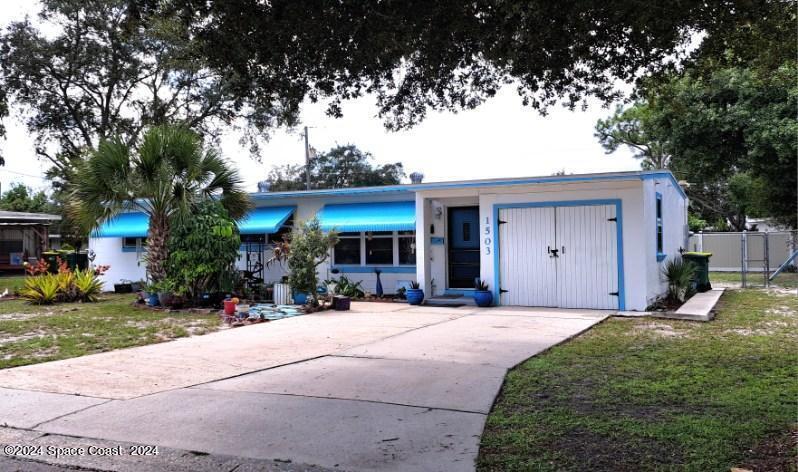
<point>51,257</point>
<point>701,262</point>
<point>77,260</point>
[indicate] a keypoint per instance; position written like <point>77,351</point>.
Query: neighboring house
<point>575,241</point>
<point>23,237</point>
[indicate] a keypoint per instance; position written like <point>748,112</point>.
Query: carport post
<point>767,260</point>
<point>743,256</point>
<point>701,241</point>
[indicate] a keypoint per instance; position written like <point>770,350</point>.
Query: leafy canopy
<point>167,175</point>
<point>203,249</point>
<point>418,55</point>
<point>86,71</point>
<point>340,167</point>
<point>21,198</point>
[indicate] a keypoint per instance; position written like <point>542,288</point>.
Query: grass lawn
<point>12,283</point>
<point>648,394</point>
<point>756,279</point>
<point>30,334</point>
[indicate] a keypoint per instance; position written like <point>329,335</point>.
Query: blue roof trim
<point>409,188</point>
<point>124,225</point>
<point>265,220</point>
<point>378,216</point>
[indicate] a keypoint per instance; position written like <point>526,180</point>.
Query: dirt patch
<point>594,451</point>
<point>21,337</point>
<point>660,330</point>
<point>781,311</point>
<point>22,316</point>
<point>777,453</point>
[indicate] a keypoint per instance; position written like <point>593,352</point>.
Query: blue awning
<point>124,225</point>
<point>379,216</point>
<point>134,225</point>
<point>264,220</point>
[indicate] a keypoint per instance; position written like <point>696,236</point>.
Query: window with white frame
<point>133,243</point>
<point>376,248</point>
<point>379,248</point>
<point>406,247</point>
<point>347,251</point>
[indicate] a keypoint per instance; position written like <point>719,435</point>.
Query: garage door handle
<point>552,252</point>
<point>563,250</point>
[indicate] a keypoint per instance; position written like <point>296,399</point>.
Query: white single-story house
<point>572,241</point>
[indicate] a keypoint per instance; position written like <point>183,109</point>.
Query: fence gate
<point>755,254</point>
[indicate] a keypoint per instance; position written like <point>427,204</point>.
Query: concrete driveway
<point>382,387</point>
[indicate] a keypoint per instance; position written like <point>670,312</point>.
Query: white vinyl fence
<point>746,251</point>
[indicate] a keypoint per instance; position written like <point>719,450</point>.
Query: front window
<point>407,247</point>
<point>379,248</point>
<point>347,251</point>
<point>376,248</point>
<point>133,243</point>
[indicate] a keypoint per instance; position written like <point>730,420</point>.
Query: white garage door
<point>559,256</point>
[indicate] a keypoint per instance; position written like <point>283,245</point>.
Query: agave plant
<point>87,285</point>
<point>41,289</point>
<point>165,177</point>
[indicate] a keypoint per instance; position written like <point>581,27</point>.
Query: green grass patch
<point>650,394</point>
<point>30,334</point>
<point>787,280</point>
<point>12,283</point>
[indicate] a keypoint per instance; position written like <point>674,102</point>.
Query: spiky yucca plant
<point>165,176</point>
<point>680,274</point>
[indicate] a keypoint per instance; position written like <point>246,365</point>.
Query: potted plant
<point>165,292</point>
<point>151,294</point>
<point>482,295</point>
<point>415,295</point>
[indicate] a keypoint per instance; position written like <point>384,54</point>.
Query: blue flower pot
<point>483,298</point>
<point>415,296</point>
<point>152,299</point>
<point>300,298</point>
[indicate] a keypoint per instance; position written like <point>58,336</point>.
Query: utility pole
<point>307,160</point>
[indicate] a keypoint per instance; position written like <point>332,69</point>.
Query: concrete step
<point>450,300</point>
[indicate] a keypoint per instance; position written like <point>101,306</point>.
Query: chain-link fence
<point>750,258</point>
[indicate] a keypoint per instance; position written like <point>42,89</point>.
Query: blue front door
<point>463,246</point>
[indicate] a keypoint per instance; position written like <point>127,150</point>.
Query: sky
<point>500,138</point>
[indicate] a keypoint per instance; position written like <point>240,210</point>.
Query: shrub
<point>87,285</point>
<point>41,289</point>
<point>307,247</point>
<point>203,249</point>
<point>481,285</point>
<point>347,287</point>
<point>64,286</point>
<point>680,274</point>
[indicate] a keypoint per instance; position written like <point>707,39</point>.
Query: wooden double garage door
<point>559,256</point>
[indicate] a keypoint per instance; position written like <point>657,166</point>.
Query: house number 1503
<point>487,239</point>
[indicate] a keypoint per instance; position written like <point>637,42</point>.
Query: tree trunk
<point>156,247</point>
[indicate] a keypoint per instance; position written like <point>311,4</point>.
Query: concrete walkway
<point>382,387</point>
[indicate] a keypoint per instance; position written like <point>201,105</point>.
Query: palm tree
<point>164,177</point>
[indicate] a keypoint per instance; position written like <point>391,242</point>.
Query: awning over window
<point>134,225</point>
<point>264,220</point>
<point>380,216</point>
<point>124,225</point>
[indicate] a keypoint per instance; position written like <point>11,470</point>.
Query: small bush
<point>347,287</point>
<point>64,286</point>
<point>41,289</point>
<point>87,285</point>
<point>680,274</point>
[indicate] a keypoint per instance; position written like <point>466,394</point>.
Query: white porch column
<point>423,244</point>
